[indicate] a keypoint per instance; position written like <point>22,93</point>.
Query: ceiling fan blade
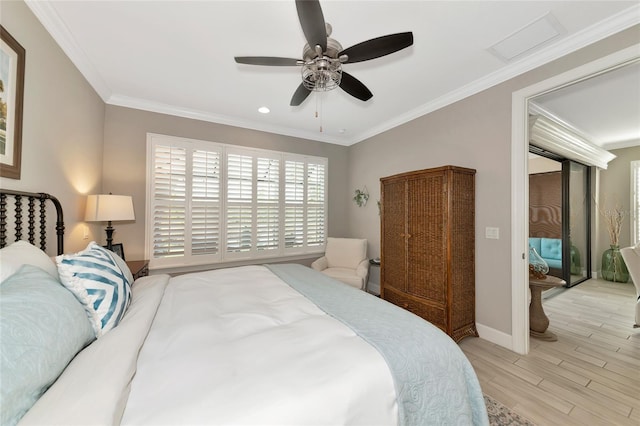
<point>354,87</point>
<point>377,47</point>
<point>268,60</point>
<point>300,95</point>
<point>312,23</point>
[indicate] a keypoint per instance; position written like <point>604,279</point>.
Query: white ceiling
<point>605,108</point>
<point>176,57</point>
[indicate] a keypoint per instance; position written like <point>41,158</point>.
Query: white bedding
<point>93,389</point>
<point>241,346</point>
<point>224,350</point>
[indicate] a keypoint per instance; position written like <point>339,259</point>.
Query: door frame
<point>520,187</point>
<point>566,222</point>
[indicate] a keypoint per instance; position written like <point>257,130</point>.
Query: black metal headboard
<point>16,219</point>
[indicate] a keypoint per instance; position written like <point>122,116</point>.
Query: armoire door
<point>426,251</point>
<point>394,252</point>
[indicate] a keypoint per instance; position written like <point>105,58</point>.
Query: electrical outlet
<point>85,235</point>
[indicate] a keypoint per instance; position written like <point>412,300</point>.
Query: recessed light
<point>264,110</point>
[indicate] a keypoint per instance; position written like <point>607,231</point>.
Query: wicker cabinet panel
<point>428,246</point>
<point>396,249</point>
<point>426,239</point>
<point>433,314</point>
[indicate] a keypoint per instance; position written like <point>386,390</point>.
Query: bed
<point>274,344</point>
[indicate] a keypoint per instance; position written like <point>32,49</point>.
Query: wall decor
<point>117,249</point>
<point>12,63</point>
<point>361,197</point>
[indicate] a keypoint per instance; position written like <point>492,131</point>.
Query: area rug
<point>500,415</point>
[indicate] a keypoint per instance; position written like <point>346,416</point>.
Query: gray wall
<point>63,123</point>
<point>474,132</point>
<point>125,138</point>
<point>614,188</point>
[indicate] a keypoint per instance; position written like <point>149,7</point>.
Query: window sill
<point>304,259</point>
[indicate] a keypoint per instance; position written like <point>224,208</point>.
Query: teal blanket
<point>435,383</point>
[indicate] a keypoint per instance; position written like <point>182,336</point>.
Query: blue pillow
<point>103,288</point>
<point>42,327</point>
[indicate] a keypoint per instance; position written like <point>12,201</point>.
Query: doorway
<point>519,189</point>
<point>560,214</point>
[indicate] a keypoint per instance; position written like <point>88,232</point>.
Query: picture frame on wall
<point>117,249</point>
<point>12,64</point>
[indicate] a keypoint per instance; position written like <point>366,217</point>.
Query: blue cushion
<point>535,243</point>
<point>551,248</point>
<point>42,327</point>
<point>98,282</point>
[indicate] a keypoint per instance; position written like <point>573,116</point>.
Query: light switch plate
<point>492,233</point>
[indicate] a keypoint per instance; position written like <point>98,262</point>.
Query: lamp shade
<point>104,208</point>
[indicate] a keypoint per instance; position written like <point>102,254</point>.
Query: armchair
<point>345,259</point>
<point>631,256</point>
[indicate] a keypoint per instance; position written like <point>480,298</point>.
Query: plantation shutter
<point>169,195</point>
<point>209,203</point>
<point>315,204</point>
<point>239,203</point>
<point>268,204</point>
<point>205,203</point>
<point>294,204</point>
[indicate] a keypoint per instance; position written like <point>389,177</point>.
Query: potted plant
<point>613,267</point>
<point>361,197</point>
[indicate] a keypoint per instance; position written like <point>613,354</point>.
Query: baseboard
<point>495,336</point>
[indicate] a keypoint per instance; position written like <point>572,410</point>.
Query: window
<point>211,202</point>
<point>635,202</point>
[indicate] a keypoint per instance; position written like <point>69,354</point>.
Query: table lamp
<point>109,208</point>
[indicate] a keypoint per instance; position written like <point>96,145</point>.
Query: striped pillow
<point>94,277</point>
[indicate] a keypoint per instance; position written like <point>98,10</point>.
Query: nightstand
<point>139,268</point>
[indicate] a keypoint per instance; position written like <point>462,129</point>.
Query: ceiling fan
<point>323,56</point>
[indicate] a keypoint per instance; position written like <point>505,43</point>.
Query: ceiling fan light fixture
<point>322,74</point>
<point>323,56</point>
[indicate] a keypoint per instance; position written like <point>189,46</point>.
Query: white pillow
<point>103,288</point>
<point>13,256</point>
<point>123,267</point>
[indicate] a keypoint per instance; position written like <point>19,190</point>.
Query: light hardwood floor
<point>590,376</point>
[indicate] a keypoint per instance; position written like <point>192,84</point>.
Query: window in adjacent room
<point>210,202</point>
<point>635,202</point>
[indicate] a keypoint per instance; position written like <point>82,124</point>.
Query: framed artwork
<point>117,249</point>
<point>12,59</point>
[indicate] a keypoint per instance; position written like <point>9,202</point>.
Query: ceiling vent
<point>528,38</point>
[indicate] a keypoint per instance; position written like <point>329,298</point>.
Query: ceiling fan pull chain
<point>320,95</point>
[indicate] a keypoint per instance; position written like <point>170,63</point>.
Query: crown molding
<point>536,109</point>
<point>52,22</point>
<point>623,144</point>
<point>58,30</point>
<point>603,29</point>
<point>550,135</point>
<point>157,107</point>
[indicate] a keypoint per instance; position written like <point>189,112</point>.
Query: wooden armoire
<point>428,246</point>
